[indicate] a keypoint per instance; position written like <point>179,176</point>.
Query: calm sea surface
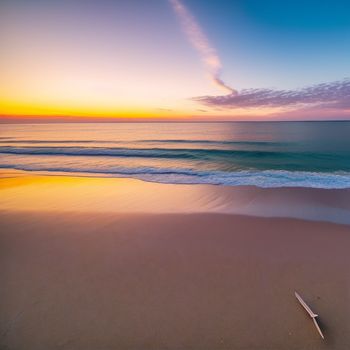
<point>277,154</point>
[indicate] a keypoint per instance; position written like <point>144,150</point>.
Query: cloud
<point>201,43</point>
<point>327,95</point>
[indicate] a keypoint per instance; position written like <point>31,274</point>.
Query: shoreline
<point>25,191</point>
<point>267,179</point>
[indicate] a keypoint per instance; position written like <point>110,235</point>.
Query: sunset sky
<point>175,59</point>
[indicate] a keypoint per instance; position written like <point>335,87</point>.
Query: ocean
<point>263,154</point>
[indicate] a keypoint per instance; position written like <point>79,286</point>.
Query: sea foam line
<point>264,179</point>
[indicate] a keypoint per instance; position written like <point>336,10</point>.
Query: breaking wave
<point>265,178</point>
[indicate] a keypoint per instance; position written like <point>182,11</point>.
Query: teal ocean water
<point>264,154</point>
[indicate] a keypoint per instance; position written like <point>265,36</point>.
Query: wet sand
<point>25,191</point>
<point>103,279</point>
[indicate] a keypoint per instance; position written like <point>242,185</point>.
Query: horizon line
<point>143,121</point>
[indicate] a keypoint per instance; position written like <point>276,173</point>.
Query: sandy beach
<point>174,175</point>
<point>189,271</point>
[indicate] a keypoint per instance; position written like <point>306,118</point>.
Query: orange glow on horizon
<point>12,111</point>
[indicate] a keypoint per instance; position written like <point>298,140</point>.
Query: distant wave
<point>265,178</point>
<point>131,152</point>
<point>212,142</point>
<point>160,141</point>
<point>49,141</point>
<point>228,159</point>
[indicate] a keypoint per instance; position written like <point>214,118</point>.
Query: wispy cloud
<point>319,98</point>
<point>200,42</point>
<point>328,95</point>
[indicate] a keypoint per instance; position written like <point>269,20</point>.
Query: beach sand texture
<point>112,280</point>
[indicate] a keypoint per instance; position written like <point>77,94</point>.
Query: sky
<point>175,60</point>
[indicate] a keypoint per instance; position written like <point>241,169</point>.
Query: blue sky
<point>282,44</point>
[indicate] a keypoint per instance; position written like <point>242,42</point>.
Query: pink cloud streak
<point>200,42</point>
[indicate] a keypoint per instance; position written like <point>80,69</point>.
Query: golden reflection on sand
<point>85,194</point>
<point>24,191</point>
